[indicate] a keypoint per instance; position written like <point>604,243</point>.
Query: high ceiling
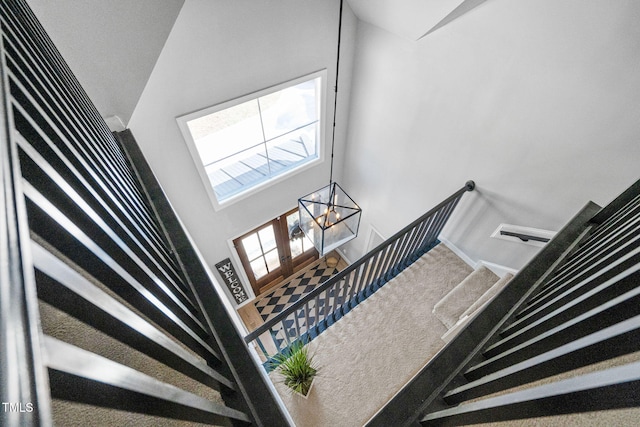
<point>412,19</point>
<point>113,46</point>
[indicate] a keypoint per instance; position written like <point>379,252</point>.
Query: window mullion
<point>264,258</point>
<point>264,138</point>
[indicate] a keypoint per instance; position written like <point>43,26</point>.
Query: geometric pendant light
<point>328,216</point>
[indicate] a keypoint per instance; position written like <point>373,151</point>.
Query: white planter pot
<point>308,391</point>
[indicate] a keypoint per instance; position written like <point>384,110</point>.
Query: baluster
<point>306,316</point>
<point>326,304</point>
<point>400,246</point>
<point>316,301</point>
<point>262,348</point>
<point>361,276</point>
<point>285,331</point>
<point>371,264</point>
<point>379,264</point>
<point>342,298</point>
<point>336,302</point>
<point>296,322</point>
<point>422,239</point>
<point>418,237</point>
<point>386,275</point>
<point>406,251</point>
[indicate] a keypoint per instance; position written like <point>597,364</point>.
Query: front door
<point>274,251</point>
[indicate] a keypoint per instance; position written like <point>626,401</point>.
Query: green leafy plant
<point>296,366</point>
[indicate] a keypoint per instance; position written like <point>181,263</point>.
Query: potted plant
<point>297,367</point>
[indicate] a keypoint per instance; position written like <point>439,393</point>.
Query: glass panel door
<point>260,255</point>
<point>262,252</point>
<point>274,251</point>
<point>301,248</point>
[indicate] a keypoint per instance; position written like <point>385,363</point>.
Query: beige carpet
<point>463,295</point>
<point>371,353</point>
<point>367,356</point>
<point>60,325</point>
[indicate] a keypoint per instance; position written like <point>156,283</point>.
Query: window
<point>245,144</point>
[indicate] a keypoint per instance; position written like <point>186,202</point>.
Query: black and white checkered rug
<point>279,299</point>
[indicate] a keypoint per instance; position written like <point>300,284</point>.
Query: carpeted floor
<point>367,356</point>
<point>359,355</point>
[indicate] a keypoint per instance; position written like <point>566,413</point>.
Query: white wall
<point>220,50</point>
<point>536,100</point>
<point>111,46</point>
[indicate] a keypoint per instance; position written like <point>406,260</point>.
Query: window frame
<point>320,148</point>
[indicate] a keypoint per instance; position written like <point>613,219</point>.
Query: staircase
<point>442,345</point>
<point>108,316</point>
<point>468,296</point>
<point>558,341</point>
<point>89,242</point>
<point>312,314</point>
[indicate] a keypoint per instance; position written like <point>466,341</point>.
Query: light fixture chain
<point>335,97</point>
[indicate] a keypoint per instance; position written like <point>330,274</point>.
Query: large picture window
<point>247,143</point>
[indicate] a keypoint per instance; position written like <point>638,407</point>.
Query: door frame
<point>288,264</point>
<point>256,284</point>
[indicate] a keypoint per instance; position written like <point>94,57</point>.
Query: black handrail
<point>612,208</point>
<point>423,235</point>
<point>524,237</point>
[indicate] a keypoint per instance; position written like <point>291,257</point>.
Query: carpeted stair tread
<point>466,293</point>
<point>470,312</point>
<point>490,293</point>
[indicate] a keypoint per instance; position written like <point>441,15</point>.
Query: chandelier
<point>328,216</point>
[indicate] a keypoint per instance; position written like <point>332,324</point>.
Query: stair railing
<point>104,301</point>
<point>561,338</point>
<point>314,312</point>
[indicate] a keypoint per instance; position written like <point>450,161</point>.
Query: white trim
<point>184,130</point>
<point>453,331</point>
<point>370,237</point>
<point>115,124</point>
<point>499,270</point>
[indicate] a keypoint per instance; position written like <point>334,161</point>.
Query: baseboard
<point>499,270</point>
